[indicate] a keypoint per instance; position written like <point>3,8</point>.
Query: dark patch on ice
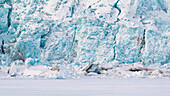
<point>2,47</point>
<point>9,12</point>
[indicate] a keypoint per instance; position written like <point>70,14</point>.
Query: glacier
<point>76,32</point>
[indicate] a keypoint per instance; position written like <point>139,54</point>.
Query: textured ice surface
<point>129,43</point>
<point>3,18</point>
<point>75,32</point>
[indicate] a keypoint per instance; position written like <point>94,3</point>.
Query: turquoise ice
<point>81,31</point>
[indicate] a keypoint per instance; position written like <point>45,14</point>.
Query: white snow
<point>86,87</point>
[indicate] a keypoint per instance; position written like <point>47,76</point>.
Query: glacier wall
<point>80,31</point>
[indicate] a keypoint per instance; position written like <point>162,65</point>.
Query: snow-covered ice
<point>86,87</point>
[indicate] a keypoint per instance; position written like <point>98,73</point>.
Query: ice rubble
<point>135,70</point>
<point>76,32</point>
<point>38,71</point>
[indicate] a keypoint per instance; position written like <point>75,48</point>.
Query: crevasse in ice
<point>83,31</point>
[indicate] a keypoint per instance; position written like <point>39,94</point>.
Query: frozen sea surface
<point>86,87</point>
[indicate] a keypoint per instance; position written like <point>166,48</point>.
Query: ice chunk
<point>13,70</point>
<point>31,61</point>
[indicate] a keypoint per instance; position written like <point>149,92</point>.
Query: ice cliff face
<point>81,31</point>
